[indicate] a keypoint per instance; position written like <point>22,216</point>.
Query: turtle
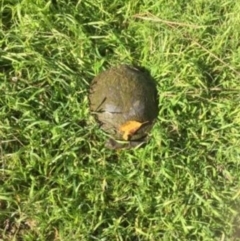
<point>124,101</point>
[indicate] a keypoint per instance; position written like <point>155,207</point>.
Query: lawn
<point>58,181</point>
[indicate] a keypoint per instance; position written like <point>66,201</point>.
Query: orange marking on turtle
<point>129,128</point>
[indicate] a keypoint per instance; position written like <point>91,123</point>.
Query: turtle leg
<point>115,145</point>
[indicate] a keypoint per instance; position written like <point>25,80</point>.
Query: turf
<point>57,179</point>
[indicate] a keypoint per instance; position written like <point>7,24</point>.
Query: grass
<point>57,179</point>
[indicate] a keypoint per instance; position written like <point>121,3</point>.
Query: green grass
<point>57,179</point>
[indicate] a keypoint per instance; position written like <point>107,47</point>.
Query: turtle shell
<point>124,94</point>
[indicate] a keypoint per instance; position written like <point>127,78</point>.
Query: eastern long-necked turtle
<point>124,101</point>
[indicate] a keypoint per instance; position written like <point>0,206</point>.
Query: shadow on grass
<point>6,14</point>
